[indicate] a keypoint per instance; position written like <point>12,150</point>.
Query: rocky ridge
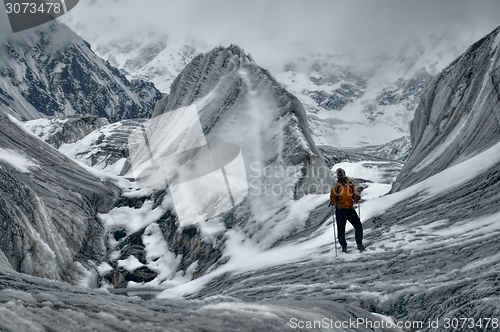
<point>459,113</point>
<point>59,131</point>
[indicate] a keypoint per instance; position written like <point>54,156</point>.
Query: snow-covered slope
<point>50,71</point>
<point>58,131</point>
<point>90,140</point>
<point>459,114</point>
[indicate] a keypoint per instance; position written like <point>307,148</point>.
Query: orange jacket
<point>343,194</point>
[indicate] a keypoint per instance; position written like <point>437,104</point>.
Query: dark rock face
<point>65,130</point>
<point>132,246</point>
<point>50,71</point>
<point>188,243</point>
<point>121,277</point>
<point>107,146</point>
<point>459,114</point>
<point>48,208</point>
<point>407,92</point>
<point>352,88</point>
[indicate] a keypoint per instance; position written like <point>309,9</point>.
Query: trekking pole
<point>359,211</point>
<point>334,232</point>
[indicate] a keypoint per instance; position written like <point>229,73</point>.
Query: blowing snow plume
<point>170,151</point>
<point>240,102</point>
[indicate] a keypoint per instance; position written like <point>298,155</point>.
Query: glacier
<point>268,264</point>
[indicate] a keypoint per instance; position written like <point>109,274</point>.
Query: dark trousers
<point>342,216</point>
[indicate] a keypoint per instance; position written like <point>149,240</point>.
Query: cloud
<point>275,30</point>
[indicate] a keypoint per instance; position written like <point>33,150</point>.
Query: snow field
<point>17,160</point>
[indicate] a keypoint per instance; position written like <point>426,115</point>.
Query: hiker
<point>343,195</point>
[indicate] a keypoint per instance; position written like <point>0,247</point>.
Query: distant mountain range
<point>348,102</point>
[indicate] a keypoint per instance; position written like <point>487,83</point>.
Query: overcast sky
<point>258,26</point>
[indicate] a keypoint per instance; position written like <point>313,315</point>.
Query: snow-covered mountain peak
<point>50,71</point>
<point>53,34</point>
<point>129,55</point>
<point>367,99</point>
<point>154,57</point>
<point>232,92</point>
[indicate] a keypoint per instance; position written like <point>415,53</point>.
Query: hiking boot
<point>344,249</point>
<point>361,247</point>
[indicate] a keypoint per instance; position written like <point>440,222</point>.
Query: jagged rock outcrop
<point>397,150</point>
<point>132,245</point>
<point>459,114</point>
<point>104,148</point>
<point>59,131</point>
<point>188,244</point>
<point>50,71</point>
<point>351,87</point>
<point>48,208</point>
<point>405,92</point>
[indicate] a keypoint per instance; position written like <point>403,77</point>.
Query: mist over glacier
<point>278,31</point>
<point>358,68</point>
